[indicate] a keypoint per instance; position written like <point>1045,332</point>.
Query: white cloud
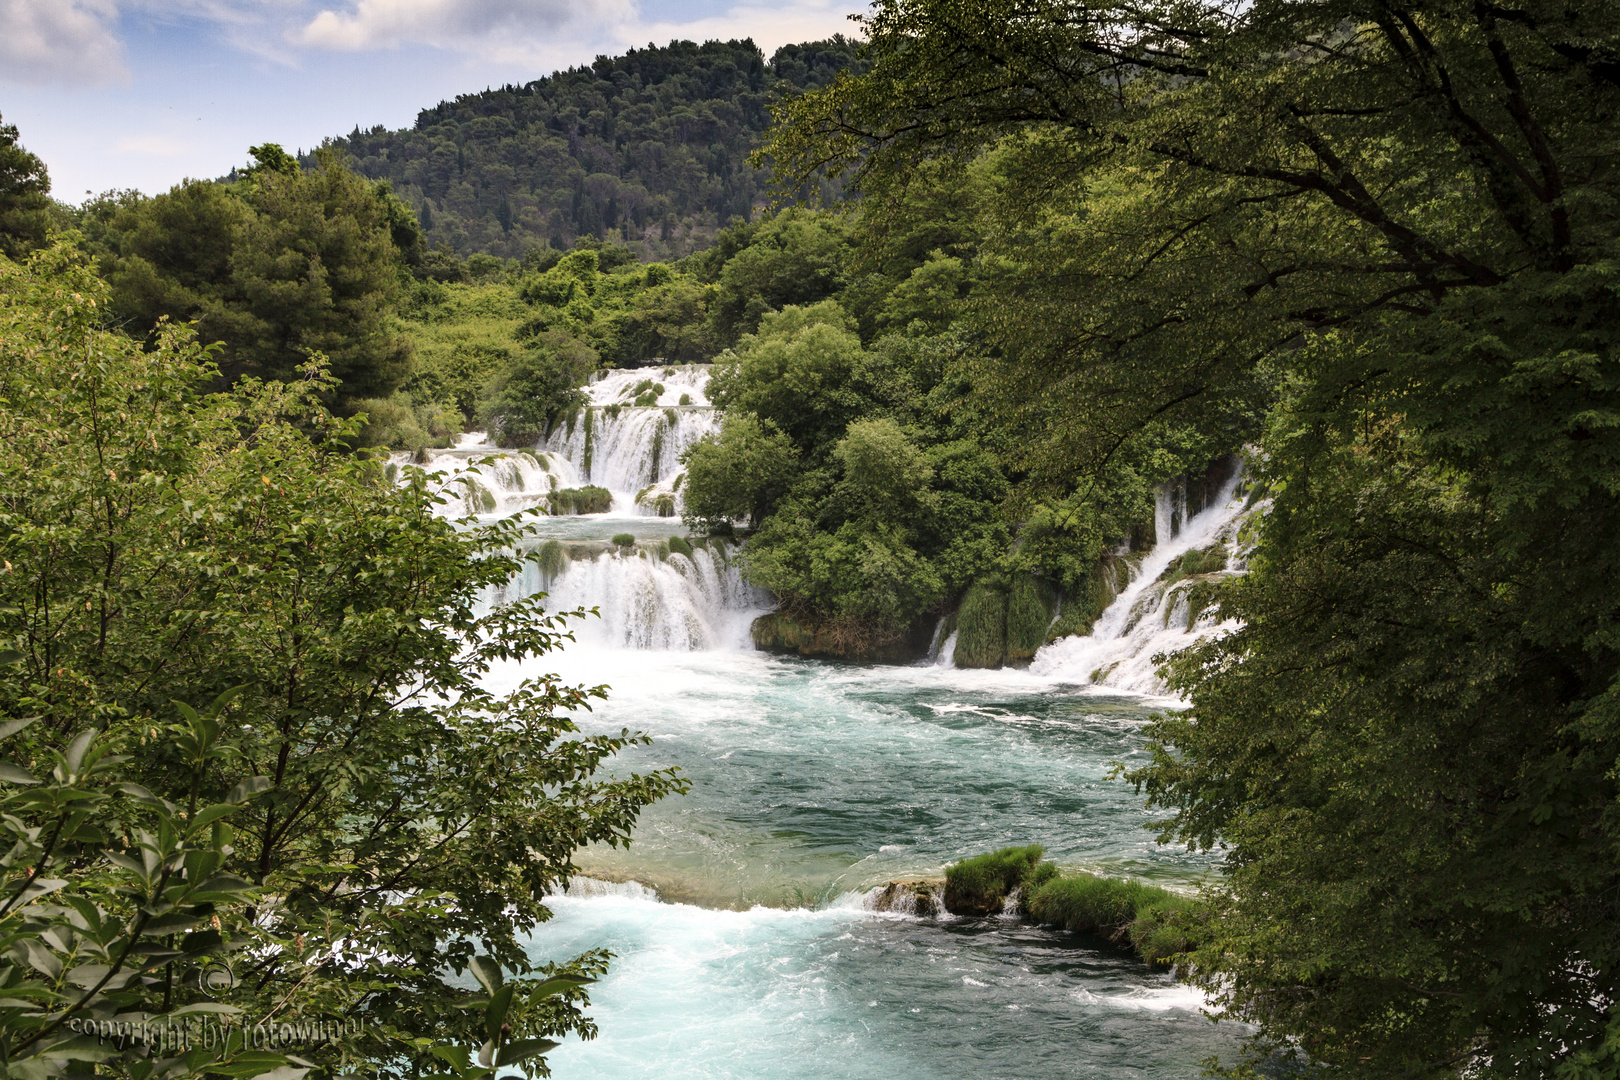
<point>479,26</point>
<point>539,35</point>
<point>68,42</point>
<point>770,27</point>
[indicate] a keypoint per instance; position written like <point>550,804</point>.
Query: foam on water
<point>841,992</point>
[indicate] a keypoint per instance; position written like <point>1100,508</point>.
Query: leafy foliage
<point>1390,226</point>
<point>277,266</point>
<point>162,545</point>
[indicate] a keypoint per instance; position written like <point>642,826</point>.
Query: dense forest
<point>650,148</point>
<point>1368,247</point>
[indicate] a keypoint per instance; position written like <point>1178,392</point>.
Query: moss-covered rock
<point>981,627</point>
<point>840,639</point>
<point>552,559</point>
<point>679,545</point>
<point>1157,923</point>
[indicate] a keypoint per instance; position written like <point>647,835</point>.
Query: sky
<point>144,93</point>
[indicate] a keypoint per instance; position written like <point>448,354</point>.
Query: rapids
<point>738,918</point>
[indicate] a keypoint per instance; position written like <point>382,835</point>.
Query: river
<point>739,917</point>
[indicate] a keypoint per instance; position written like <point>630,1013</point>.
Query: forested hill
<point>649,148</point>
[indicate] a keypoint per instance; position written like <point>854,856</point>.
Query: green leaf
<point>253,785</point>
<point>172,923</point>
<point>11,727</point>
<point>11,774</point>
<point>523,1049</point>
<point>488,973</point>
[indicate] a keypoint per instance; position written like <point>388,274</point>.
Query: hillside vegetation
<point>650,148</point>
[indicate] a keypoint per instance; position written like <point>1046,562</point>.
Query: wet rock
<point>920,898</point>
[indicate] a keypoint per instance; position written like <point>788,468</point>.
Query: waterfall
<point>648,596</point>
<point>1151,616</point>
<point>633,450</point>
<point>658,591</point>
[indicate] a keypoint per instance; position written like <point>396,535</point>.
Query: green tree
<point>795,258</point>
<point>540,385</point>
<point>796,372</point>
<point>24,197</point>
<point>1398,219</point>
<point>279,265</point>
<point>161,545</point>
<point>739,474</point>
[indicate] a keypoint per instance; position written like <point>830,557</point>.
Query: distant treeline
<point>649,148</point>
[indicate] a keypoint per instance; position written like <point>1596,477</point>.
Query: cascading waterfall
<point>650,594</point>
<point>479,480</point>
<point>1151,616</point>
<point>628,438</point>
<point>649,597</point>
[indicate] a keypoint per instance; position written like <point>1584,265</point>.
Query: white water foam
<point>678,380</point>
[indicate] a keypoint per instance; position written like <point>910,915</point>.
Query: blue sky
<point>143,93</point>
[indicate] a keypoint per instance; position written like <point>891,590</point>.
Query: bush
<point>398,423</point>
<point>584,500</point>
<point>679,545</point>
<point>624,540</point>
<point>981,885</point>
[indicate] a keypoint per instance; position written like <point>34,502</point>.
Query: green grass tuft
<point>980,885</point>
<point>1157,923</point>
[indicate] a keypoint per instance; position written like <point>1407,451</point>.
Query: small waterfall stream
<point>1150,616</point>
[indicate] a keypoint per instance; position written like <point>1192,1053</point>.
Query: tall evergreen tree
<point>24,196</point>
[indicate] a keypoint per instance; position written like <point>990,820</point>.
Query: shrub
<point>981,885</point>
<point>584,500</point>
<point>680,546</point>
<point>686,399</point>
<point>397,423</point>
<point>624,540</point>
